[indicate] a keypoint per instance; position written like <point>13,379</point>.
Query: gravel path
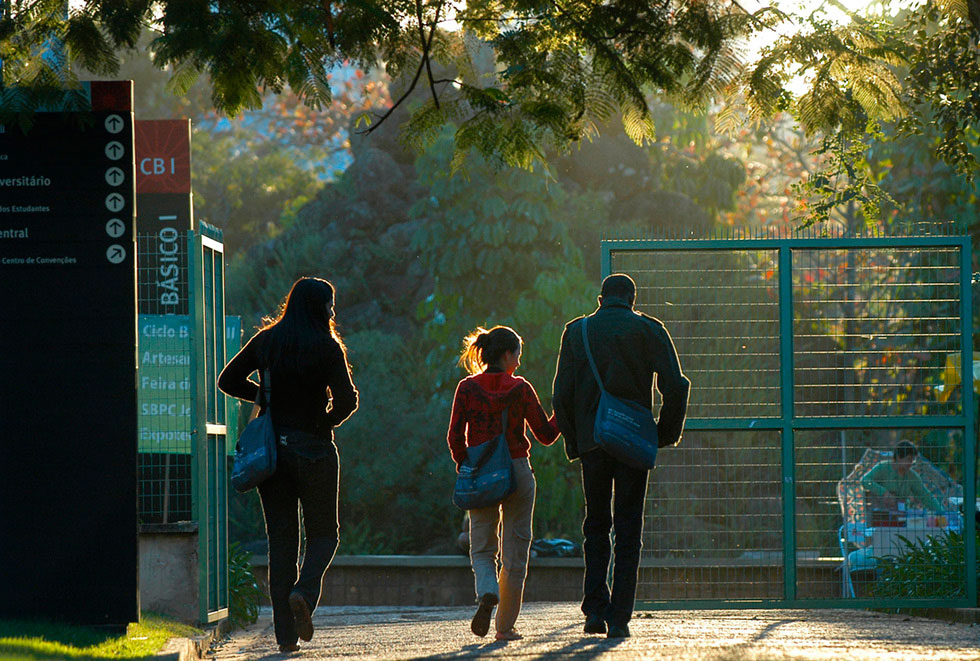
<point>554,630</point>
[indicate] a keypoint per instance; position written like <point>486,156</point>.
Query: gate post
<point>209,430</point>
<point>786,412</point>
<point>969,428</point>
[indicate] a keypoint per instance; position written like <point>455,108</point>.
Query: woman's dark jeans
<point>313,483</point>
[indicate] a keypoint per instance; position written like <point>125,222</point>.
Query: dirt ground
<point>554,630</point>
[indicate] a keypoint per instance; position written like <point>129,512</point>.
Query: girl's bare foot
<point>511,634</point>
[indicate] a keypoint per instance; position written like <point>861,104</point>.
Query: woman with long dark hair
<point>311,394</point>
<point>501,531</point>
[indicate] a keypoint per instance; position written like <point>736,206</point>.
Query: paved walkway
<point>554,630</point>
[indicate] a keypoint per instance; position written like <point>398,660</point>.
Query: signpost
<point>164,216</point>
<point>68,406</point>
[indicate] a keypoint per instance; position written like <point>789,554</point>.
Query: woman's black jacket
<point>315,399</point>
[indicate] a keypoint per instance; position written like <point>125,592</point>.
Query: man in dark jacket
<point>632,352</point>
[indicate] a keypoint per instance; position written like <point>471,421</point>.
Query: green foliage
<point>497,245</point>
<point>396,474</point>
<point>486,237</point>
<point>554,71</point>
<point>362,537</point>
<point>932,567</point>
<point>922,186</point>
<point>247,192</point>
<point>943,83</point>
<point>246,524</point>
<point>243,590</point>
<point>842,180</point>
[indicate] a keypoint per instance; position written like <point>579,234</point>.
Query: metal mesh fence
<point>713,520</point>
<point>165,353</point>
<point>809,362</point>
<point>872,329</point>
<point>839,517</point>
<point>724,318</point>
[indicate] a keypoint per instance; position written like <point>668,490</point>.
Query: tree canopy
<point>519,79</point>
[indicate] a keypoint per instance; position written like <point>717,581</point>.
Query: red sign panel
<point>163,156</point>
<point>112,95</point>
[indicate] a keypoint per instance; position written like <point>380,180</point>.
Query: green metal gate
<point>183,434</point>
<point>209,465</point>
<point>810,357</point>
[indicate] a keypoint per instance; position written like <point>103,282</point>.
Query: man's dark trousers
<point>600,473</point>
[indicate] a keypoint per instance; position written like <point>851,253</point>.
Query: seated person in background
<point>886,484</point>
<point>893,480</point>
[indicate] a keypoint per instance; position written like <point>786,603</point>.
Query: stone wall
<point>168,577</point>
<point>448,580</point>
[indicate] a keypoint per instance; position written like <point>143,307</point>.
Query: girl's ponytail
<point>473,345</point>
<point>485,347</point>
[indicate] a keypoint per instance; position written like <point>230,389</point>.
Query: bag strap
<point>265,389</point>
<point>588,353</point>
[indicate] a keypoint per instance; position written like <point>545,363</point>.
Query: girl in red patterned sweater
<point>481,398</point>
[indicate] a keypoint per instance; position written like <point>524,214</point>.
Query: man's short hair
<point>618,285</point>
<point>905,449</point>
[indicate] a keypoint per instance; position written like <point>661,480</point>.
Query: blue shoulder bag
<point>486,476</point>
<point>255,452</point>
<point>624,429</point>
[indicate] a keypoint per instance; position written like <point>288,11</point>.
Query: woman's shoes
<point>481,620</point>
<point>509,635</point>
<point>301,615</point>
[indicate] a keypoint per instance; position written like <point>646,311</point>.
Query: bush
<point>243,590</point>
<point>396,476</point>
<point>933,567</point>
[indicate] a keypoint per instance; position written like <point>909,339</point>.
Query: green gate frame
<point>788,423</point>
<point>209,466</point>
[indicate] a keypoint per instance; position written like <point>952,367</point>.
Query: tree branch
<point>397,103</point>
<point>798,152</point>
<point>751,16</point>
<point>427,44</point>
<point>328,10</point>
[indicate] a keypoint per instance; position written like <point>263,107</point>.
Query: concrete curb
<point>961,615</point>
<point>192,649</point>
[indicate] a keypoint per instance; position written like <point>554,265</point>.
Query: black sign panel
<point>163,220</point>
<point>68,412</point>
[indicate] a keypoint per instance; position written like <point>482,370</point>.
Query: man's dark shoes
<point>481,620</point>
<point>301,615</point>
<point>595,624</point>
<point>288,649</point>
<point>618,632</point>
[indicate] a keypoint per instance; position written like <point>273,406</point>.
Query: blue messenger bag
<point>624,429</point>
<point>255,452</point>
<point>486,476</point>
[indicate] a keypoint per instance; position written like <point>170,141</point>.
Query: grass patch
<point>33,639</point>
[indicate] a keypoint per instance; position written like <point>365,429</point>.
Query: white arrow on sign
<point>115,202</point>
<point>115,228</point>
<point>116,253</point>
<point>114,123</point>
<point>115,176</point>
<point>115,150</point>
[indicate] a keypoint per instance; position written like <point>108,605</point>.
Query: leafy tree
<point>516,78</point>
<point>555,70</point>
<point>500,253</point>
<point>483,244</point>
<point>251,194</point>
<point>397,474</point>
<point>919,68</point>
